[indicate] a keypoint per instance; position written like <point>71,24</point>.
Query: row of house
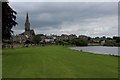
<point>29,34</point>
<point>52,38</point>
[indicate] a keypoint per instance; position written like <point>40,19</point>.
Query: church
<point>27,34</point>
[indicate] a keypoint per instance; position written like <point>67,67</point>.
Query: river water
<point>99,49</point>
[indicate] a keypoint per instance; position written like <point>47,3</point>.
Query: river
<point>99,49</point>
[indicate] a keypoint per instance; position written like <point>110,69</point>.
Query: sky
<point>80,18</point>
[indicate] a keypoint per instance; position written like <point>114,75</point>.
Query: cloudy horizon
<point>80,18</point>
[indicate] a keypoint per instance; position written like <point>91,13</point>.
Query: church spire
<point>27,23</point>
<point>27,18</point>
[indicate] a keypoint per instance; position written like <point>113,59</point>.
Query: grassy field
<point>57,62</point>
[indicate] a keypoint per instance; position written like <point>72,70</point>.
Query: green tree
<point>79,42</point>
<point>8,20</point>
<point>36,39</point>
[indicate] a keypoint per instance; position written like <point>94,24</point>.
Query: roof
<point>32,32</point>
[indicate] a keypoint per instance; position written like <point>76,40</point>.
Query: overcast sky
<point>80,18</point>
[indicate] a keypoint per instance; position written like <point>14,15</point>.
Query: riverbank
<point>57,62</point>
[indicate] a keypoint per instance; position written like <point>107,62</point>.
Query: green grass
<point>57,62</point>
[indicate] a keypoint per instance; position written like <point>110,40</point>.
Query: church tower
<point>27,24</point>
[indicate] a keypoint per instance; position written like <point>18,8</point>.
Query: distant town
<point>29,38</point>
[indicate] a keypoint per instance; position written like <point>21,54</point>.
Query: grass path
<point>57,62</point>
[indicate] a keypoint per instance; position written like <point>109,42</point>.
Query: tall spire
<point>27,23</point>
<point>27,18</point>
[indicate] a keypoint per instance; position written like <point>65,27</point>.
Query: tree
<point>79,42</point>
<point>36,39</point>
<point>117,39</point>
<point>8,21</point>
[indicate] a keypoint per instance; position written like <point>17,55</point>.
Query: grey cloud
<point>54,15</point>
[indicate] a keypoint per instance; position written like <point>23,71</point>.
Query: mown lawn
<point>57,62</point>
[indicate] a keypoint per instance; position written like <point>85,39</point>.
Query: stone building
<point>27,35</point>
<point>62,37</point>
<point>66,37</point>
<point>72,36</point>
